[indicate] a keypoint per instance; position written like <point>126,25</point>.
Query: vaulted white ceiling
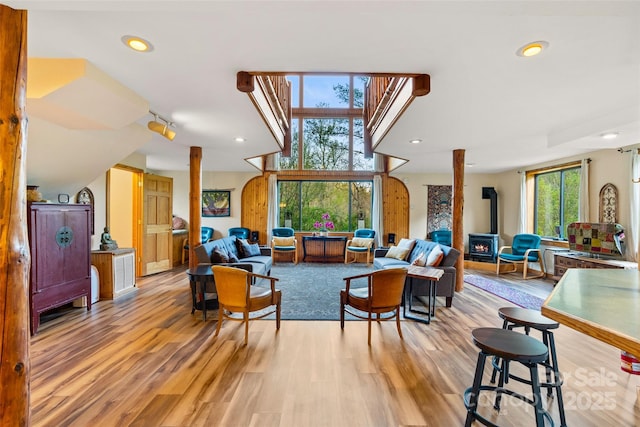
<point>506,111</point>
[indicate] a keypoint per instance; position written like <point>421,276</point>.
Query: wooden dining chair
<point>236,294</point>
<point>383,294</point>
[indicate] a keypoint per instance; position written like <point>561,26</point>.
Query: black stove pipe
<point>491,194</point>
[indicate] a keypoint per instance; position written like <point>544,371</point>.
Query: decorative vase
<point>324,233</point>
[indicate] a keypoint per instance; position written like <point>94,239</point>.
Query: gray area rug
<point>311,291</point>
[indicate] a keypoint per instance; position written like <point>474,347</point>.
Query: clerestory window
<point>327,124</point>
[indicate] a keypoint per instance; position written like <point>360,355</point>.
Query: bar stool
<point>516,317</point>
<point>509,346</point>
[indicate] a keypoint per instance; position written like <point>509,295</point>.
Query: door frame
<point>136,211</point>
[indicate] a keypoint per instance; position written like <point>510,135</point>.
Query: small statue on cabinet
<point>106,242</point>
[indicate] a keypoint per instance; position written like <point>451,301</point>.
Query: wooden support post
<point>15,260</point>
<point>195,202</point>
<point>458,207</point>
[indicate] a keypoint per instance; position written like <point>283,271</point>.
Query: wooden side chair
<point>362,242</point>
<point>524,249</point>
<point>284,241</point>
<point>383,294</point>
<point>236,294</point>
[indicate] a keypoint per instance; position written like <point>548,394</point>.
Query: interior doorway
<point>124,208</point>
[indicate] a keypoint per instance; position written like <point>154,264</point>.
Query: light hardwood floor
<point>144,360</point>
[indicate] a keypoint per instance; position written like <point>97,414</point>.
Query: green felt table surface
<point>602,303</point>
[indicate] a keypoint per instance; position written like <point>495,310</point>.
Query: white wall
<point>607,166</point>
<point>99,190</point>
<point>211,181</point>
<point>476,211</point>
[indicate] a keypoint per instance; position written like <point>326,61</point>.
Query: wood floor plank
<point>145,360</point>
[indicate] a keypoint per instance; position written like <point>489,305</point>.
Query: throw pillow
<point>284,241</point>
<point>435,257</point>
<point>421,260</point>
<point>233,258</point>
<point>219,256</point>
<point>361,242</point>
<point>397,253</point>
<point>178,223</point>
<point>249,249</point>
<point>407,244</point>
<point>240,248</point>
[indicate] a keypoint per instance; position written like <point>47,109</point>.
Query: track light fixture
<point>161,128</point>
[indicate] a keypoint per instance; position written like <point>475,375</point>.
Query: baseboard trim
<point>491,266</point>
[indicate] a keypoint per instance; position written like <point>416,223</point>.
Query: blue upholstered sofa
<point>260,264</point>
<point>446,284</point>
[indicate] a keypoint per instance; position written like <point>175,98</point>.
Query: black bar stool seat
<point>516,317</point>
<point>513,347</point>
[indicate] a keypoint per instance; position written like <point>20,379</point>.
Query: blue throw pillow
<point>250,249</point>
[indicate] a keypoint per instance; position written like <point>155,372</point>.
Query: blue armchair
<point>362,242</point>
<point>524,249</point>
<point>442,236</point>
<point>240,232</point>
<point>206,234</point>
<point>284,241</point>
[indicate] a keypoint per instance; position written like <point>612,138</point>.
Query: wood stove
<point>483,247</point>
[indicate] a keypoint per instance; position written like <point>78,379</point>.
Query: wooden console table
<point>566,260</point>
<point>324,248</point>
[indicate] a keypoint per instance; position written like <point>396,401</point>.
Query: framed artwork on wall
<point>216,203</point>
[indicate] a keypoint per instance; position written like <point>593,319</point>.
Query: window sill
<point>556,243</point>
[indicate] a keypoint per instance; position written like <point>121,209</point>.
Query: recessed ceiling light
<point>532,49</point>
<point>137,43</point>
<point>609,135</point>
<point>415,141</point>
<point>239,139</point>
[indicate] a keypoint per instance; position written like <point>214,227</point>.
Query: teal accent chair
<point>361,243</point>
<point>524,249</point>
<point>240,232</point>
<point>442,236</point>
<point>283,240</point>
<point>206,234</point>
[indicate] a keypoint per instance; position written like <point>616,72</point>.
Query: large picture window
<point>302,203</point>
<point>556,201</point>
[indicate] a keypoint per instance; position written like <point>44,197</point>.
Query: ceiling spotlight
<point>415,141</point>
<point>609,135</point>
<point>137,43</point>
<point>239,139</point>
<point>161,128</point>
<point>532,49</point>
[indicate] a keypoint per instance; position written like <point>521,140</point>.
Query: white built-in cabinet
<point>117,271</point>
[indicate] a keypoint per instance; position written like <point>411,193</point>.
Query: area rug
<point>311,291</point>
<point>505,291</point>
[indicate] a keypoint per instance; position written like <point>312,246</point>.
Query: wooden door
<point>156,224</point>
